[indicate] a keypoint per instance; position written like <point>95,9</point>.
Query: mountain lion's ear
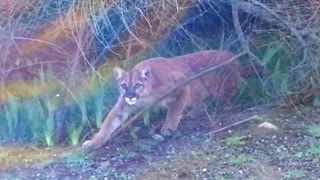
<point>117,73</point>
<point>145,73</point>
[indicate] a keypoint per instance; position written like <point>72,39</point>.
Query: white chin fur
<point>131,101</point>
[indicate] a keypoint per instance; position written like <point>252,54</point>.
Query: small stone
<point>158,137</point>
<point>316,102</point>
<point>204,170</point>
<point>316,160</point>
<point>104,165</point>
<point>268,125</point>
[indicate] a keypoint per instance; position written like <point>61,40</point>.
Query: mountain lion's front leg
<point>174,112</point>
<point>113,121</point>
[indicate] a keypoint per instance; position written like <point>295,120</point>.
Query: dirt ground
<point>290,150</point>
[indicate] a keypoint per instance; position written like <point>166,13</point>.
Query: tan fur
<point>149,79</point>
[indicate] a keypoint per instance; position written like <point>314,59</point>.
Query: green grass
<point>75,135</point>
<point>235,141</point>
<point>315,151</point>
<point>149,145</point>
<point>99,105</point>
<point>241,159</point>
<point>12,116</point>
<point>40,119</point>
<point>315,131</point>
<point>146,118</point>
<point>49,126</point>
<point>77,159</point>
<point>298,155</point>
<point>296,174</point>
<point>200,155</point>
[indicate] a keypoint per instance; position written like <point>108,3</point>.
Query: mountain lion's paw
<point>166,132</point>
<point>89,145</point>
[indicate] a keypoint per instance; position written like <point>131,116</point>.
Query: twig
<point>234,124</point>
<point>255,8</point>
<point>196,76</point>
<point>237,26</point>
<point>290,27</point>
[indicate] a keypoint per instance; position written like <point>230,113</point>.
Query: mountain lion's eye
<point>124,86</point>
<point>137,86</point>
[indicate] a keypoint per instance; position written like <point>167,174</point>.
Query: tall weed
<point>12,115</point>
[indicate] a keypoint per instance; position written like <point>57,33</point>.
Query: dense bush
<point>279,35</point>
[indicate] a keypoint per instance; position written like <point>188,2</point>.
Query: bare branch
<point>234,124</point>
<point>290,27</point>
<point>237,26</point>
<point>243,41</point>
<point>264,12</point>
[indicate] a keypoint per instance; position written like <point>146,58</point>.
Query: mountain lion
<point>148,80</point>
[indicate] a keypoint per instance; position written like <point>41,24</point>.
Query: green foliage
<point>199,155</point>
<point>75,134</point>
<point>35,114</point>
<point>12,110</point>
<point>296,174</point>
<point>83,108</point>
<point>133,132</point>
<point>298,155</point>
<point>49,122</point>
<point>99,105</point>
<point>235,141</point>
<point>270,53</point>
<point>280,61</point>
<point>148,146</point>
<point>241,159</point>
<point>146,118</point>
<point>315,151</point>
<point>280,78</point>
<point>41,121</point>
<point>315,131</point>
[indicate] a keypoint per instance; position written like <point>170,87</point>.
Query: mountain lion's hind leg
<point>196,109</point>
<point>174,113</point>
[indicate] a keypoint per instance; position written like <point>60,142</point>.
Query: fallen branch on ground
<point>234,124</point>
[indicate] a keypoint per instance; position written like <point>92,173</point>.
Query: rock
<point>267,125</point>
<point>158,137</point>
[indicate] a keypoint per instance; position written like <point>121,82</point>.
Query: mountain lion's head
<point>133,84</point>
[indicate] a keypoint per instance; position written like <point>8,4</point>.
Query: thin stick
<point>234,124</point>
<point>196,76</point>
<point>242,39</point>
<point>293,30</point>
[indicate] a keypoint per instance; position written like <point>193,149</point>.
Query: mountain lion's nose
<point>130,95</point>
<point>130,101</point>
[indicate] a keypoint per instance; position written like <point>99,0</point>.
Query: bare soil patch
<point>243,151</point>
